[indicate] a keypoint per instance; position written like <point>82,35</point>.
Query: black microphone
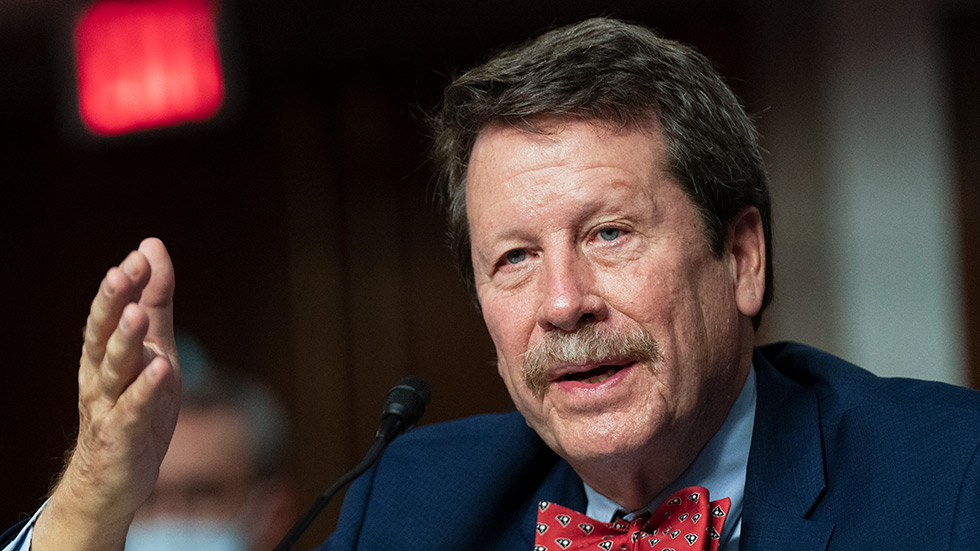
<point>404,407</point>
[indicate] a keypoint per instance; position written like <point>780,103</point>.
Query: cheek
<point>504,329</point>
<point>642,292</point>
<point>504,367</point>
<point>716,293</point>
<point>510,320</point>
<point>496,325</point>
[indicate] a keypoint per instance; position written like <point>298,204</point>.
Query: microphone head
<point>407,400</point>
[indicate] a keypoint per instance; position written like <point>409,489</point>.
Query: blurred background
<point>308,252</point>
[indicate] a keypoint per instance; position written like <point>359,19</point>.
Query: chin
<point>605,438</point>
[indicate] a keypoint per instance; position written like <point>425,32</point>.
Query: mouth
<point>589,359</point>
<point>592,376</point>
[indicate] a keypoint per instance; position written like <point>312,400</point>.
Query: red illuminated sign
<point>147,63</point>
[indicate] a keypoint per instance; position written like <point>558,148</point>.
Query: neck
<point>633,480</point>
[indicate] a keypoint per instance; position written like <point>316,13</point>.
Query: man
<point>608,204</point>
<point>223,483</point>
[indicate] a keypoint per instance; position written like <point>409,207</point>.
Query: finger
<point>152,400</point>
<point>157,298</point>
<point>159,291</point>
<point>124,352</point>
<point>120,286</point>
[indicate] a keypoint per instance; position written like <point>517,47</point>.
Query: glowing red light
<point>147,63</point>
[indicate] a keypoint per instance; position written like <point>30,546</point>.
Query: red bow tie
<point>687,520</point>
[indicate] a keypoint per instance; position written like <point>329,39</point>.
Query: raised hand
<point>128,399</point>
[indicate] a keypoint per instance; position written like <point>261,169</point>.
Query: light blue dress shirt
<point>23,540</point>
<point>720,467</point>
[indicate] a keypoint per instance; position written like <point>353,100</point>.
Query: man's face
<point>208,477</point>
<point>582,228</point>
<point>207,472</point>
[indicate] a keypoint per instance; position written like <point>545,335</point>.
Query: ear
<point>747,246</point>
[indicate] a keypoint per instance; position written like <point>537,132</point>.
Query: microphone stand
<point>406,404</point>
<point>297,530</point>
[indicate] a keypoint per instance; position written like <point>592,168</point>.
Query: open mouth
<point>593,376</point>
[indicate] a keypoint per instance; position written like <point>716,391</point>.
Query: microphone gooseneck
<point>404,407</point>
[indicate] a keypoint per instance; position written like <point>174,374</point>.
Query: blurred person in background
<point>223,484</point>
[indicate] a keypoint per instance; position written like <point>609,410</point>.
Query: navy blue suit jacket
<point>840,459</point>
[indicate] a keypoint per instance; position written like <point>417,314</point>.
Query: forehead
<point>511,160</point>
<point>520,147</point>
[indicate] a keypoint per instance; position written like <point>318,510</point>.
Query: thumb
<point>157,297</point>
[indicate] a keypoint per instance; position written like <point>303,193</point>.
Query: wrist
<point>76,518</point>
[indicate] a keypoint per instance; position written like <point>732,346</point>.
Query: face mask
<point>184,534</point>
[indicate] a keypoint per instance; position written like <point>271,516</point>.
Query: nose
<point>569,293</point>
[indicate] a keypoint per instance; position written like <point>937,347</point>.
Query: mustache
<point>588,343</point>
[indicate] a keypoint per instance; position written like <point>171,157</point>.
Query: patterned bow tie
<point>687,520</point>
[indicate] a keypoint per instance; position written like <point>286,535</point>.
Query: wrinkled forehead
<point>517,146</point>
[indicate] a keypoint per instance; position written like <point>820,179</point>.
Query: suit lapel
<point>785,475</point>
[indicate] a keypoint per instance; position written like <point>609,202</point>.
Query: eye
<point>515,256</point>
<point>609,234</point>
